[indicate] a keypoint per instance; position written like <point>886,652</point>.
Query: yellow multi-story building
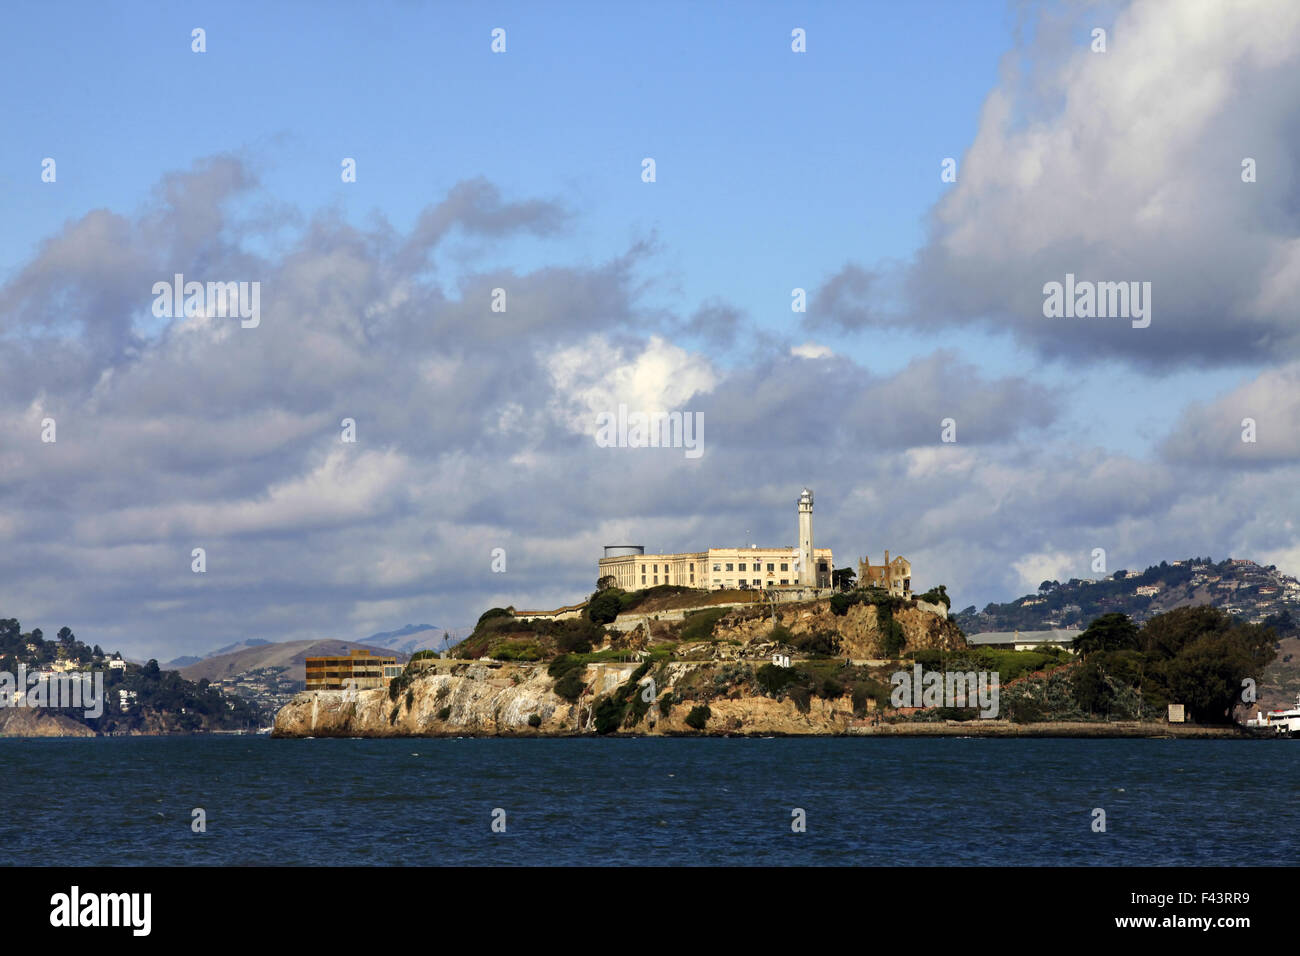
<point>359,670</point>
<point>752,567</point>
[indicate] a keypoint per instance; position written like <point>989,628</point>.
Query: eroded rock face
<point>859,630</point>
<point>493,699</point>
<point>35,722</point>
<point>484,701</point>
<point>478,698</point>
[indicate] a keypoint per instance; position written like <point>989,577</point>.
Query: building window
<point>729,567</point>
<point>785,566</point>
<point>742,567</point>
<point>717,567</point>
<point>757,582</point>
<point>784,581</point>
<point>643,579</point>
<point>656,579</point>
<point>771,568</point>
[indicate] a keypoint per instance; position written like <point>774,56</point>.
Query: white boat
<point>1281,721</point>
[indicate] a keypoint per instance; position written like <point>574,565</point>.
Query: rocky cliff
<point>858,631</point>
<point>35,722</point>
<point>482,699</point>
<point>723,671</point>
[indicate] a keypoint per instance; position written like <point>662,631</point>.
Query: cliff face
<point>859,629</point>
<point>477,698</point>
<point>818,696</point>
<point>482,700</point>
<point>34,722</point>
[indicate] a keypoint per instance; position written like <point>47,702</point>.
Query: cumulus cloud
<point>475,431</point>
<point>1123,166</point>
<point>811,350</point>
<point>1255,425</point>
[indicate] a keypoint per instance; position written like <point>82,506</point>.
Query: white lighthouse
<point>807,569</point>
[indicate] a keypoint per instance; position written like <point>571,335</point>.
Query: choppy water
<point>123,801</point>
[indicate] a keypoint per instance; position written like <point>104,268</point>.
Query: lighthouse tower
<point>807,569</point>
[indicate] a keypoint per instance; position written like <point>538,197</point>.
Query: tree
<point>699,716</point>
<point>844,578</point>
<point>1110,632</point>
<point>66,637</point>
<point>1165,635</point>
<point>1091,691</point>
<point>1206,676</point>
<point>1200,656</point>
<point>937,595</point>
<point>604,606</point>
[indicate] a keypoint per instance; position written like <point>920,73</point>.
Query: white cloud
<point>595,376</point>
<point>811,350</point>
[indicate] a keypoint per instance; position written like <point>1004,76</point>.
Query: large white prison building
<point>752,567</point>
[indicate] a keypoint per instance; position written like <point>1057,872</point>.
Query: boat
<point>1279,721</point>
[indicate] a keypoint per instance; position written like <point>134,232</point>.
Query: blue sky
<point>775,170</point>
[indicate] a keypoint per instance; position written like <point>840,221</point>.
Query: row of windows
<point>744,566</point>
<point>656,579</point>
<point>656,569</point>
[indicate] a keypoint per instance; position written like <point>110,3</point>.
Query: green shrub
<point>444,713</point>
<point>841,602</point>
<point>608,714</point>
<point>1023,710</point>
<point>666,703</point>
<point>822,644</point>
<point>570,686</point>
<point>637,708</point>
<point>489,614</point>
<point>699,626</point>
<point>831,689</point>
<point>612,709</point>
<point>400,683</point>
<point>517,651</point>
<point>604,606</point>
<point>936,595</point>
<point>928,658</point>
<point>577,637</point>
<point>562,665</point>
<point>534,720</point>
<point>869,690</point>
<point>699,716</point>
<point>956,713</point>
<point>773,679</point>
<point>893,638</point>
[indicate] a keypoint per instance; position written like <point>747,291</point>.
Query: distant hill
<point>404,641</point>
<point>183,662</point>
<point>286,654</point>
<point>418,637</point>
<point>1255,593</point>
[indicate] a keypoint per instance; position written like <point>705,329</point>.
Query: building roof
<point>1065,635</point>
